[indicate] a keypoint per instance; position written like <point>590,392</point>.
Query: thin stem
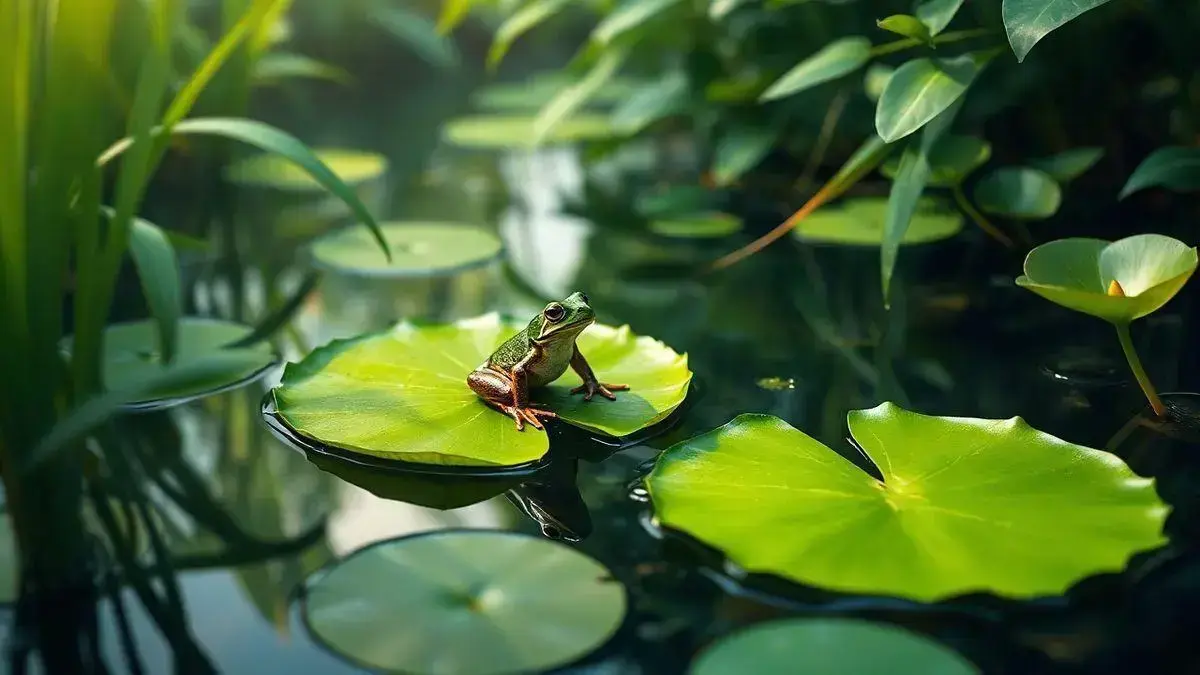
<point>983,223</point>
<point>945,38</point>
<point>1139,373</point>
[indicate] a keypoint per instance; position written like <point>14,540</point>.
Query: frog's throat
<point>567,329</point>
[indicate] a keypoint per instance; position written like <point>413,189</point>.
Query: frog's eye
<point>554,312</point>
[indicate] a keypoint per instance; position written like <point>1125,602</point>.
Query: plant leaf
<point>277,66</point>
<point>573,97</point>
<point>158,270</point>
<point>907,25</point>
<point>951,160</point>
<point>1069,165</point>
<point>453,13</point>
<point>876,79</point>
<point>1021,192</point>
<point>937,14</point>
<point>834,60</point>
<point>416,31</point>
<point>521,22</point>
<point>652,102</point>
<point>861,221</point>
<point>629,16</point>
<point>921,89</point>
<point>741,150</point>
<point>1176,168</point>
<point>719,9</point>
<point>1028,21</point>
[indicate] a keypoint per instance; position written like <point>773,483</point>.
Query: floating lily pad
<point>963,506</point>
<point>505,132</point>
<point>402,394</point>
<point>860,222</point>
<point>468,602</point>
<point>1078,273</point>
<point>273,171</point>
<point>131,355</point>
<point>534,92</point>
<point>699,226</point>
<point>418,249</point>
<point>828,647</point>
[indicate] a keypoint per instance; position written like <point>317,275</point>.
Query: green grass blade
<point>521,22</point>
<point>276,66</point>
<point>158,270</point>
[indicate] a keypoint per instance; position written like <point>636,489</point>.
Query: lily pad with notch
<point>131,355</point>
<point>960,510</point>
<point>401,394</point>
<point>860,222</point>
<point>471,602</point>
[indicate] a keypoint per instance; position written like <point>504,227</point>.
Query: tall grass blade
<point>158,270</point>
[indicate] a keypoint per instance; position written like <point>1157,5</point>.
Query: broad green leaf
<point>1077,273</point>
<point>420,249</point>
<point>505,132</point>
<point>269,170</point>
<point>860,222</point>
<point>976,491</point>
<point>575,96</point>
<point>1028,21</point>
<point>834,60</point>
<point>876,79</point>
<point>921,89</point>
<point>740,150</point>
<point>719,9</point>
<point>403,394</point>
<point>452,14</point>
<point>276,66</point>
<point>1176,168</point>
<point>697,226</point>
<point>951,160</point>
<point>1022,193</point>
<point>907,25</point>
<point>937,14</point>
<point>652,102</point>
<point>1069,165</point>
<point>629,16</point>
<point>828,646</point>
<point>521,22</point>
<point>416,31</point>
<point>158,270</point>
<point>472,603</point>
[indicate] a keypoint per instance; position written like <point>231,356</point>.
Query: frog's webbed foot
<point>592,387</point>
<point>522,415</point>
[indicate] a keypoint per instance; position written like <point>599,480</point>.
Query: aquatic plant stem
<point>980,220</point>
<point>1139,373</point>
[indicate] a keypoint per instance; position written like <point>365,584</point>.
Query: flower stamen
<point>1114,288</point>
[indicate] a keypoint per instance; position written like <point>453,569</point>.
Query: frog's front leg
<point>503,391</point>
<point>591,386</point>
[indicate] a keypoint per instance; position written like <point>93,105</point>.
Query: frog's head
<point>565,319</point>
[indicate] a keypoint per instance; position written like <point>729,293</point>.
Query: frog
<point>536,356</point>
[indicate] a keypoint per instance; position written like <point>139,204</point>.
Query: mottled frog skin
<point>537,356</point>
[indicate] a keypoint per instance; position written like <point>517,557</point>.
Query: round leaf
<point>860,222</point>
<point>1177,168</point>
<point>1020,193</point>
<point>698,226</point>
<point>418,249</point>
<point>274,171</point>
<point>828,647</point>
<point>834,60</point>
<point>402,394</point>
<point>919,90</point>
<point>514,132</point>
<point>468,602</point>
<point>962,508</point>
<point>1078,272</point>
<point>951,160</point>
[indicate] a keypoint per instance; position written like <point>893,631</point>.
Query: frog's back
<point>510,352</point>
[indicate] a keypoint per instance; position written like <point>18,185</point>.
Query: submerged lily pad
<point>860,222</point>
<point>468,602</point>
<point>1078,273</point>
<point>509,132</point>
<point>402,394</point>
<point>698,226</point>
<point>131,355</point>
<point>828,647</point>
<point>273,171</point>
<point>418,249</point>
<point>965,505</point>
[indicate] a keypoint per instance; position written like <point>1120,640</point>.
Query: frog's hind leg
<point>499,390</point>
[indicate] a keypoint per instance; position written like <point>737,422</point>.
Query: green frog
<point>537,356</point>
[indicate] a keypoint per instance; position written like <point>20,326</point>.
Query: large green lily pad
<point>828,647</point>
<point>418,249</point>
<point>131,355</point>
<point>860,222</point>
<point>514,132</point>
<point>402,394</point>
<point>466,602</point>
<point>1078,273</point>
<point>966,505</point>
<point>273,171</point>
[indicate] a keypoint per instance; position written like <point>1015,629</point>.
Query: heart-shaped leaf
<point>1069,165</point>
<point>951,160</point>
<point>921,89</point>
<point>830,646</point>
<point>907,25</point>
<point>962,507</point>
<point>937,14</point>
<point>1022,193</point>
<point>1176,168</point>
<point>1078,273</point>
<point>834,60</point>
<point>471,602</point>
<point>506,132</point>
<point>402,394</point>
<point>1028,21</point>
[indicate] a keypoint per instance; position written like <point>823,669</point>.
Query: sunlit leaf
<point>834,60</point>
<point>697,226</point>
<point>876,79</point>
<point>521,22</point>
<point>907,25</point>
<point>629,16</point>
<point>419,249</point>
<point>719,9</point>
<point>860,222</point>
<point>976,491</point>
<point>452,14</point>
<point>1028,21</point>
<point>921,89</point>
<point>1021,192</point>
<point>277,172</point>
<point>1176,168</point>
<point>1069,165</point>
<point>937,14</point>
<point>503,132</point>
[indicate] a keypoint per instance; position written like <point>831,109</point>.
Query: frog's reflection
<point>551,498</point>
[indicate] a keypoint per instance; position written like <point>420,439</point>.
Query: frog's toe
<point>590,389</point>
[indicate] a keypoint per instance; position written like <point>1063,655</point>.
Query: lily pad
<point>860,222</point>
<point>828,647</point>
<point>273,171</point>
<point>509,132</point>
<point>962,507</point>
<point>699,226</point>
<point>402,394</point>
<point>1021,193</point>
<point>1078,273</point>
<point>418,249</point>
<point>468,602</point>
<point>131,355</point>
